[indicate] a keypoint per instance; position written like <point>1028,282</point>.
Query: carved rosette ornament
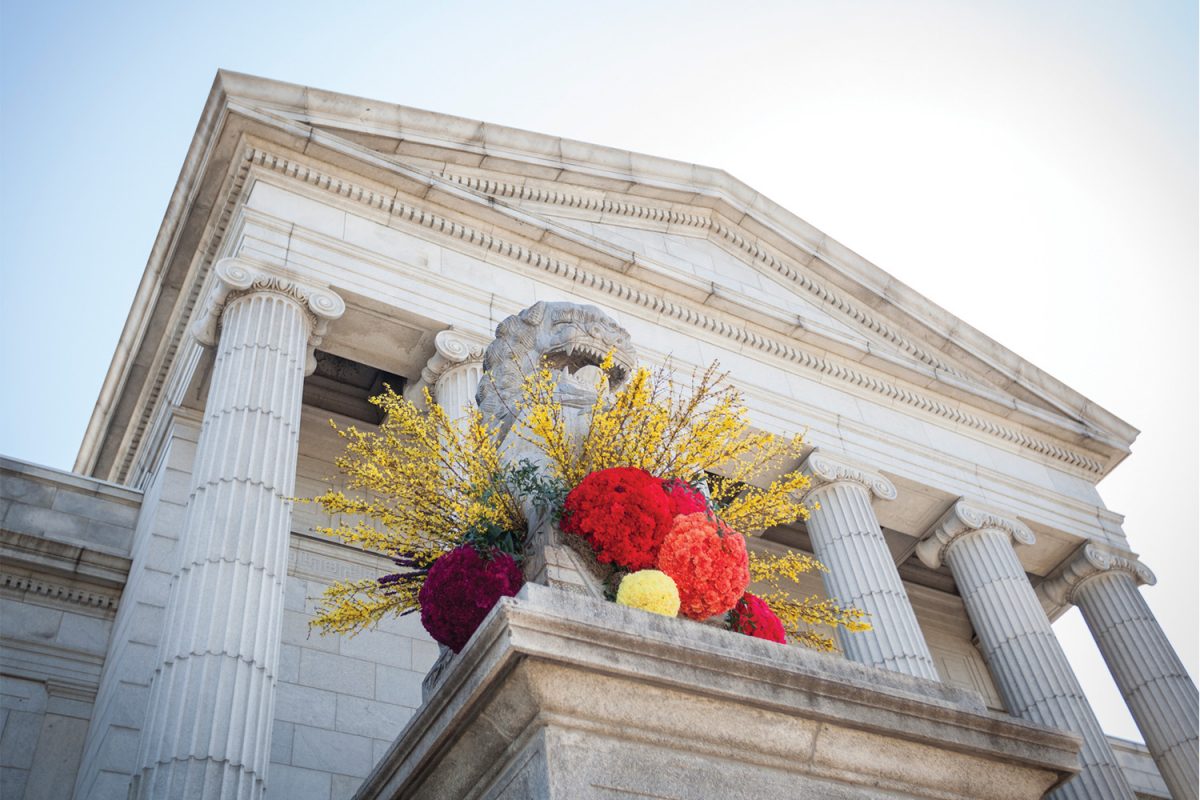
<point>235,278</point>
<point>1090,561</point>
<point>963,518</point>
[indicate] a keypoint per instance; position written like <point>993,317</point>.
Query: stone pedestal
<point>1031,671</point>
<point>563,696</point>
<point>1156,686</point>
<point>208,728</point>
<point>847,539</point>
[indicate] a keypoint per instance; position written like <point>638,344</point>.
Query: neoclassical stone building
<point>317,246</point>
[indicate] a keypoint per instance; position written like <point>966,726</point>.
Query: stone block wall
<point>64,557</point>
<point>340,701</point>
<point>110,755</point>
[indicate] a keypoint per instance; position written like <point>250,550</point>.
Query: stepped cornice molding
<point>709,224</point>
<point>963,518</point>
<point>242,108</point>
<point>824,468</point>
<point>255,155</point>
<point>1088,562</point>
<point>235,277</point>
<point>440,224</point>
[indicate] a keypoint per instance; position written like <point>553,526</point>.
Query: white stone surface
<point>1031,671</point>
<point>847,539</point>
<point>208,726</point>
<point>344,689</point>
<point>1156,686</point>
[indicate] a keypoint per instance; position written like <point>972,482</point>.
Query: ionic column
<point>846,537</point>
<point>452,374</point>
<point>207,732</point>
<point>1028,664</point>
<point>1156,686</point>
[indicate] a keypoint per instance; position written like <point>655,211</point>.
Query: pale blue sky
<point>1032,167</point>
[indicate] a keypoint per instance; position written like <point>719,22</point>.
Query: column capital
<point>1088,562</point>
<point>235,277</point>
<point>451,347</point>
<point>965,517</point>
<point>823,468</point>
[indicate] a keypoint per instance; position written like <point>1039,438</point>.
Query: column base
<point>563,696</point>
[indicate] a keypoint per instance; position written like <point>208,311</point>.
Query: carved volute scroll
<point>962,518</point>
<point>235,278</point>
<point>1088,562</point>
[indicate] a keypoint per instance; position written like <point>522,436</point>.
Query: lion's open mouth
<point>571,358</point>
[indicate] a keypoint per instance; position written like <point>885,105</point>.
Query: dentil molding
<point>1088,562</point>
<point>392,204</point>
<point>824,468</point>
<point>963,518</point>
<point>436,223</point>
<point>704,222</point>
<point>235,277</point>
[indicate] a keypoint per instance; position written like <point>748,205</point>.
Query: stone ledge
<point>559,696</point>
<point>71,480</point>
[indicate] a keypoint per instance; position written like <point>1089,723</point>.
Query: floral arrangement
<point>622,512</point>
<point>649,590</point>
<point>695,446</point>
<point>708,562</point>
<point>753,617</point>
<point>662,482</point>
<point>438,498</point>
<point>460,589</point>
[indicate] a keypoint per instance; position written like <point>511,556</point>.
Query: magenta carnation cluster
<point>461,589</point>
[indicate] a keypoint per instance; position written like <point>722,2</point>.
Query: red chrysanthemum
<point>622,512</point>
<point>754,617</point>
<point>710,568</point>
<point>684,499</point>
<point>461,589</point>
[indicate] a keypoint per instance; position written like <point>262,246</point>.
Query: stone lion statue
<point>571,339</point>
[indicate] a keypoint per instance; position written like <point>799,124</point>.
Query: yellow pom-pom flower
<point>649,590</point>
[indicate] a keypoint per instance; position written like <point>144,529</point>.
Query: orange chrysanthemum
<point>708,562</point>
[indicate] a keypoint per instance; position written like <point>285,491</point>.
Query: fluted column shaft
<point>207,733</point>
<point>847,539</point>
<point>1156,686</point>
<point>1031,670</point>
<point>452,375</point>
<point>456,387</point>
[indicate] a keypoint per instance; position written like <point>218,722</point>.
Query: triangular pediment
<point>831,293</point>
<point>693,235</point>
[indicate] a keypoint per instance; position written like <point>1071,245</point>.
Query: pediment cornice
<point>449,226</point>
<point>463,213</point>
<point>714,224</point>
